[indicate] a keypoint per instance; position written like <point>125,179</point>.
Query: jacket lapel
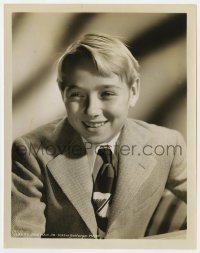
<point>70,168</point>
<point>71,171</point>
<point>133,168</point>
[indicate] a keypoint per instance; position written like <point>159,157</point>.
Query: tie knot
<point>105,153</point>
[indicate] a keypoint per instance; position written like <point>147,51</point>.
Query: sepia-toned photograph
<point>100,118</point>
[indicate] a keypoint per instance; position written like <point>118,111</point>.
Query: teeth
<point>94,125</point>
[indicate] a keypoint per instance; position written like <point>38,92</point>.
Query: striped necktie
<point>103,189</point>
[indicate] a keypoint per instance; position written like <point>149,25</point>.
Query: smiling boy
<point>97,106</point>
<point>96,187</point>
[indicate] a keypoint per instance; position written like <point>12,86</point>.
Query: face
<point>97,106</point>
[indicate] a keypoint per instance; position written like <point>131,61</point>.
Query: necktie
<point>103,189</point>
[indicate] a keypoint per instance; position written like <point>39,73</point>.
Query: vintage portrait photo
<point>100,124</point>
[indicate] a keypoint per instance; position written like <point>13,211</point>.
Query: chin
<point>96,140</point>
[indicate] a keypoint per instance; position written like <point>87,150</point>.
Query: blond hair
<point>109,55</point>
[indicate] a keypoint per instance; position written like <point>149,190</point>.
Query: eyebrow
<point>105,86</point>
<point>71,87</point>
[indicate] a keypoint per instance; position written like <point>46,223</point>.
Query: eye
<point>107,94</point>
<point>75,95</point>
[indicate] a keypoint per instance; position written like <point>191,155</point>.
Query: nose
<point>93,106</point>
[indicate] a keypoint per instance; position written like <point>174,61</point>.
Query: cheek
<point>72,107</point>
<point>119,107</point>
<point>119,111</point>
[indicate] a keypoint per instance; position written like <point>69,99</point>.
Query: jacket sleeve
<point>27,203</point>
<point>177,179</point>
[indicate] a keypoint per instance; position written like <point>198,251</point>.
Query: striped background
<point>157,40</point>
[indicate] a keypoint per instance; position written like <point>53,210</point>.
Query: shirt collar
<point>92,149</point>
<point>95,147</point>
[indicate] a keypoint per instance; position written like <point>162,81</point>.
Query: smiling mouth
<point>89,124</point>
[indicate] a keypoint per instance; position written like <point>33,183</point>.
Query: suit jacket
<point>52,184</point>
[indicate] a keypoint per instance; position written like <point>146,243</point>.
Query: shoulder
<point>49,133</point>
<point>160,133</point>
<point>149,128</point>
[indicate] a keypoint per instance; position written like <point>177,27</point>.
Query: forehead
<point>100,65</point>
<point>74,64</point>
<point>85,73</point>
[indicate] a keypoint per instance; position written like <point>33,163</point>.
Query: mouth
<point>90,124</point>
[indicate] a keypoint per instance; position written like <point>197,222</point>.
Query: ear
<point>63,94</point>
<point>134,92</point>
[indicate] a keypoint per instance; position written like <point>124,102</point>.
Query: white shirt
<point>92,149</point>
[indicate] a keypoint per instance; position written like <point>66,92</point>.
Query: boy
<point>96,173</point>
